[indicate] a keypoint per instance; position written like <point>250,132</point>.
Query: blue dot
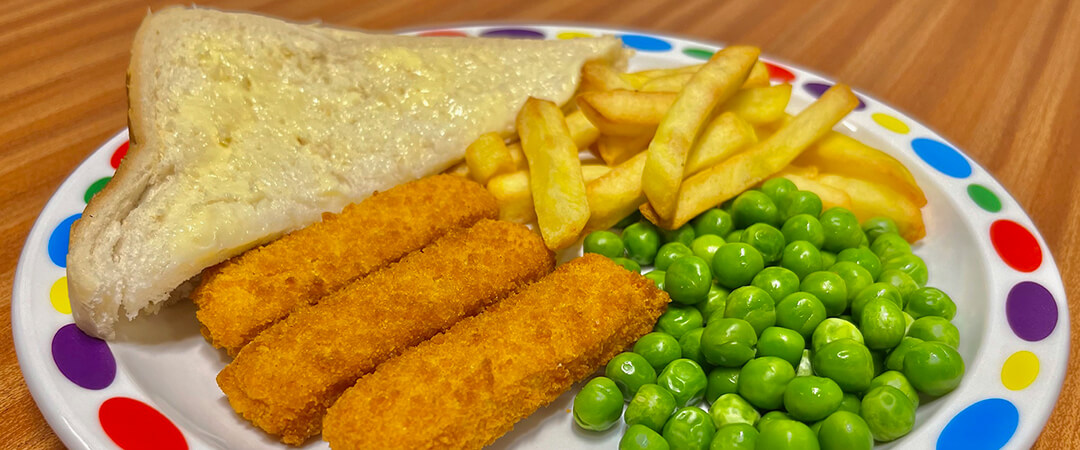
<point>942,157</point>
<point>988,423</point>
<point>58,241</point>
<point>646,43</point>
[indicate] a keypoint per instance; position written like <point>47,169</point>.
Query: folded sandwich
<point>245,127</point>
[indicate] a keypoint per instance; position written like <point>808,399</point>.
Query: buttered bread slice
<point>245,127</point>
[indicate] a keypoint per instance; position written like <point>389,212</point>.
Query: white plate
<point>155,387</point>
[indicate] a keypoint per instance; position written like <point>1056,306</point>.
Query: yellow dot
<point>1020,370</point>
<point>573,35</point>
<point>891,123</point>
<point>58,296</point>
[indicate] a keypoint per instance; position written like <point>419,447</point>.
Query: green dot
<point>984,198</point>
<point>94,188</point>
<point>698,53</point>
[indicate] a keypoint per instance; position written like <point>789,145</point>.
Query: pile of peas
<point>799,328</point>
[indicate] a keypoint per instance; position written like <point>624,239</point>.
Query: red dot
<point>779,73</point>
<point>1016,245</point>
<point>133,425</point>
<point>118,155</point>
<point>445,33</point>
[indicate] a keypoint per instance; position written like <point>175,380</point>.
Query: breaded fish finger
<point>284,380</point>
<point>244,295</point>
<point>468,386</point>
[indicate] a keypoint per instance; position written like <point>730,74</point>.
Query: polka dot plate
<point>155,388</point>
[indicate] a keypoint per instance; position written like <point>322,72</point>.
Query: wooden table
<point>1000,79</point>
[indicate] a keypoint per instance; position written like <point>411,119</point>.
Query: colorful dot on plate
<point>777,73</point>
<point>58,296</point>
<point>118,155</point>
<point>84,360</point>
<point>573,35</point>
<point>890,123</point>
<point>513,33</point>
<point>443,33</point>
<point>95,188</point>
<point>645,43</point>
<point>132,425</point>
<point>816,89</point>
<point>1031,311</point>
<point>987,423</point>
<point>1016,245</point>
<point>698,53</point>
<point>1020,370</point>
<point>984,197</point>
<point>58,241</point>
<point>942,157</point>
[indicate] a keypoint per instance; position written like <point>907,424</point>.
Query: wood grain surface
<point>998,78</point>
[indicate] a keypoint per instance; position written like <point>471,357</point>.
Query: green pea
<point>687,280</point>
<point>864,242</point>
<point>651,406</point>
<point>605,243</point>
<point>801,258</point>
<point>805,367</point>
<point>897,380</point>
<point>834,329</point>
<point>800,202</point>
<point>766,239</point>
<point>889,244</point>
<point>716,222</point>
<point>715,300</point>
<point>851,403</point>
<point>753,305</point>
<point>598,405</point>
<point>686,381</point>
<point>736,436</point>
<point>735,264</point>
<point>630,219</point>
<point>804,227</point>
<point>844,430</point>
<point>658,349</point>
<point>910,264</point>
<point>778,282</point>
<point>627,264</point>
<point>908,320</point>
<point>876,226</point>
<point>933,368</point>
<point>691,346</point>
<point>829,288</point>
<point>847,362</point>
<point>728,342</point>
<point>801,312</point>
<point>935,329</point>
<point>888,413</point>
<point>810,399</point>
<point>771,417</point>
<point>856,278</point>
<point>882,324</point>
<point>730,409</point>
<point>689,429</point>
<point>864,258</point>
<point>778,189</point>
<point>762,381</point>
<point>930,301</point>
<point>640,437</point>
<point>752,207</point>
<point>816,426</point>
<point>872,292</point>
<point>642,241</point>
<point>630,371</point>
<point>827,258</point>
<point>669,253</point>
<point>657,276</point>
<point>683,235</point>
<point>678,320</point>
<point>782,343</point>
<point>727,204</point>
<point>722,380</point>
<point>895,359</point>
<point>705,246</point>
<point>841,229</point>
<point>787,434</point>
<point>900,280</point>
<point>733,236</point>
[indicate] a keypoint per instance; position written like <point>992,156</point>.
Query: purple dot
<point>1031,311</point>
<point>513,33</point>
<point>84,360</point>
<point>816,89</point>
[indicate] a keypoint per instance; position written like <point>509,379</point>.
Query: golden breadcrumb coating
<point>466,387</point>
<point>242,296</point>
<point>284,380</point>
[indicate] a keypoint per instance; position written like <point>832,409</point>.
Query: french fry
<point>675,79</point>
<point>842,155</point>
<point>769,156</point>
<point>582,131</point>
<point>555,179</point>
<point>726,135</point>
<point>759,76</point>
<point>637,80</point>
<point>760,105</point>
<point>714,83</point>
<point>514,197</point>
<point>669,83</point>
<point>830,196</point>
<point>616,149</point>
<point>623,112</point>
<point>460,169</point>
<point>869,199</point>
<point>518,156</point>
<point>487,157</point>
<point>616,194</point>
<point>600,76</point>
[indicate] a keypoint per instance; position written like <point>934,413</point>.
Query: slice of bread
<point>245,127</point>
